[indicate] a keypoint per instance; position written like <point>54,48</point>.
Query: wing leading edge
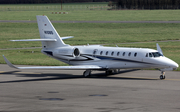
<point>81,67</point>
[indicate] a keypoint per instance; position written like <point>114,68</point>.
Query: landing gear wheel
<point>87,73</point>
<point>162,76</point>
<point>119,70</point>
<point>109,72</point>
<point>116,71</point>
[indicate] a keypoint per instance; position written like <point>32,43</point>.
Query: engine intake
<point>76,52</point>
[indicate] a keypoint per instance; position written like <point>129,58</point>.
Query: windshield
<point>156,54</point>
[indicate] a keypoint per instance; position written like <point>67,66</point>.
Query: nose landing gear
<point>163,75</point>
<point>87,73</point>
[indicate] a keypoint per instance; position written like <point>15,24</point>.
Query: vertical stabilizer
<point>47,31</point>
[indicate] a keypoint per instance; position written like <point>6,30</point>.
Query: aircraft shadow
<point>58,76</point>
<point>104,76</point>
<point>46,76</point>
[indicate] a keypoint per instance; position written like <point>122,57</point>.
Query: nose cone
<point>176,65</point>
<point>169,63</point>
<point>173,64</point>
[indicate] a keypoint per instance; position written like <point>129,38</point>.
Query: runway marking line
<point>173,79</point>
<point>2,71</point>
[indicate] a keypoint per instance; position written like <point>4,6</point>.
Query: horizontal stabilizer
<point>42,40</point>
<point>51,40</point>
<point>63,38</point>
<point>81,67</point>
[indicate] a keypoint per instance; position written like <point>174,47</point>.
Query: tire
<point>162,77</point>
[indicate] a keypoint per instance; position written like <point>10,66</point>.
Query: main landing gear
<point>87,73</point>
<point>163,75</point>
<point>114,71</point>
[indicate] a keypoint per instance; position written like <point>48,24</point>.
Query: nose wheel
<point>162,76</point>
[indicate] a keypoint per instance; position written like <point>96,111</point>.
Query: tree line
<point>120,4</point>
<point>147,4</point>
<point>46,1</point>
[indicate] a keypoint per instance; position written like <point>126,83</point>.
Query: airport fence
<point>55,8</point>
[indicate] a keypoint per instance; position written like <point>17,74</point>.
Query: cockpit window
<point>157,54</point>
<point>150,55</point>
<point>154,54</point>
<point>146,54</point>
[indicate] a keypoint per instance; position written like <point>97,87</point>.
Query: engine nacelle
<point>67,52</point>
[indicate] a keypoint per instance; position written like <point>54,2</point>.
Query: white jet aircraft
<point>95,57</point>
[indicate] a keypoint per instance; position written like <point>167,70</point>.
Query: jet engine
<point>67,52</point>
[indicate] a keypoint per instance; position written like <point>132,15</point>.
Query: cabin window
<point>129,54</point>
<point>146,54</point>
<point>135,54</point>
<point>118,53</point>
<point>123,53</point>
<point>101,52</point>
<point>106,52</point>
<point>112,53</point>
<point>95,51</point>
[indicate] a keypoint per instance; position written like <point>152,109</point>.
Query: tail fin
<point>47,31</point>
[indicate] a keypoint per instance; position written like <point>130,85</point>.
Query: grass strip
<point>92,33</point>
<point>96,15</point>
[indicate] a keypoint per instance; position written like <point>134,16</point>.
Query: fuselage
<point>112,57</point>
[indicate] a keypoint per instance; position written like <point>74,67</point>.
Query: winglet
<point>158,48</point>
<point>9,63</point>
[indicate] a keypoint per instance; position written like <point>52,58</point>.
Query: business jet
<point>95,57</point>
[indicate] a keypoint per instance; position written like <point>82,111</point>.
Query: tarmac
<point>68,91</point>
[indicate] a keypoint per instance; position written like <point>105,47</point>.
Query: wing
<point>81,67</point>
